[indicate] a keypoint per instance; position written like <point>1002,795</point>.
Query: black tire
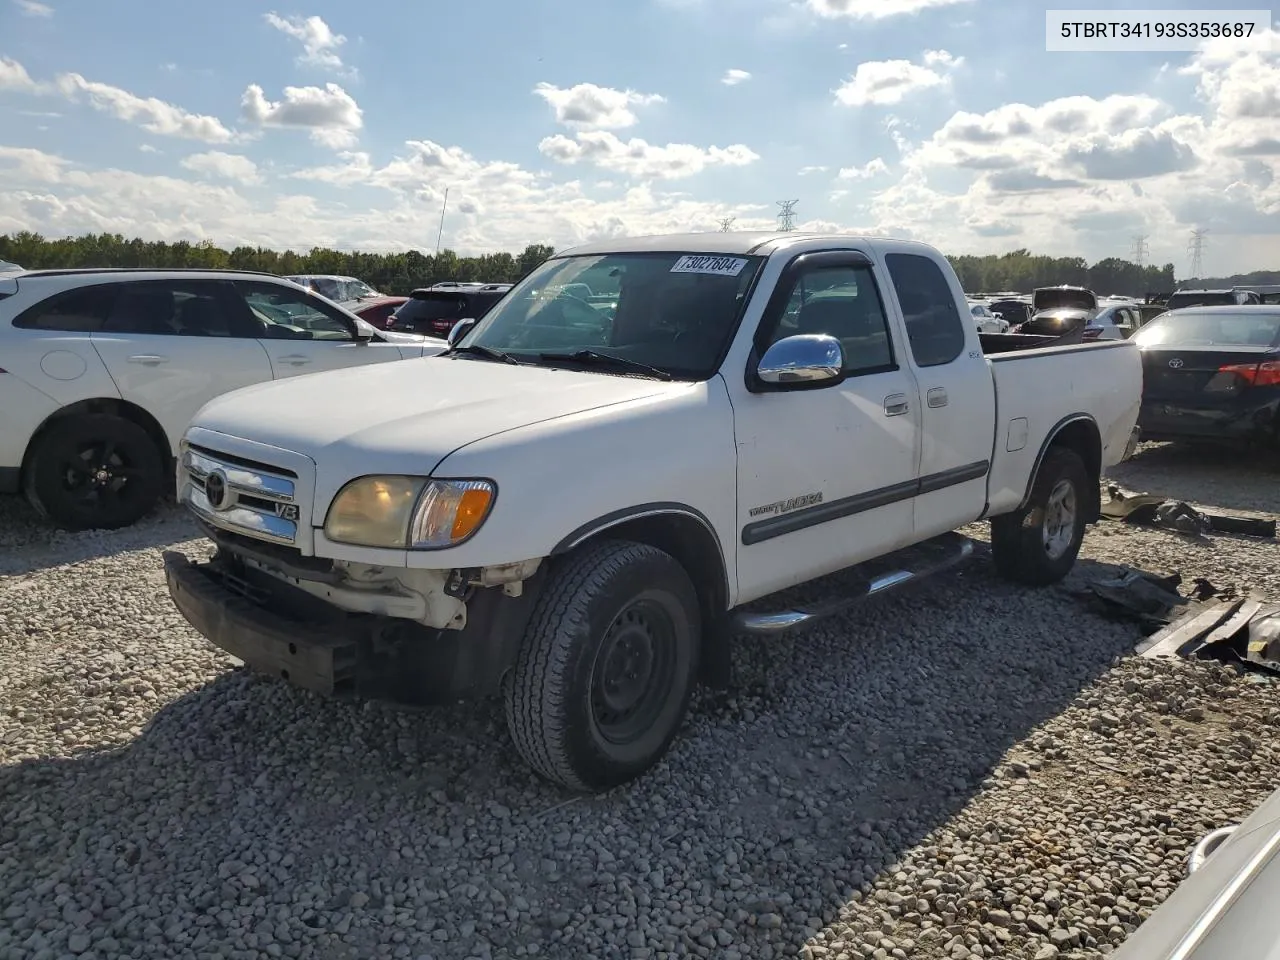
<point>556,704</point>
<point>63,481</point>
<point>1037,546</point>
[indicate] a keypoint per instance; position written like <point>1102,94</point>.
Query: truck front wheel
<point>1038,544</point>
<point>606,667</point>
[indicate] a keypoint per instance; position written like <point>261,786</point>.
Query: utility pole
<point>1140,251</point>
<point>443,207</point>
<point>786,215</point>
<point>1199,239</point>
<point>727,224</point>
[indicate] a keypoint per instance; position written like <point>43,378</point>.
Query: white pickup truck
<point>575,503</point>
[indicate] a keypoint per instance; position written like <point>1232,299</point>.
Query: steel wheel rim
<point>1059,527</point>
<point>634,669</point>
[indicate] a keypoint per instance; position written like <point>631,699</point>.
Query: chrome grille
<point>240,496</point>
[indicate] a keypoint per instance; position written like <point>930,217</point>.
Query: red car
<point>378,312</point>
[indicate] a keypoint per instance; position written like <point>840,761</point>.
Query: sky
<point>343,125</point>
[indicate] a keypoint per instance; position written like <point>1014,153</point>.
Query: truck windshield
<point>674,312</point>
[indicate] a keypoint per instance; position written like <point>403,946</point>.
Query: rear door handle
<point>937,397</point>
<point>895,405</point>
<point>294,359</point>
<point>148,359</point>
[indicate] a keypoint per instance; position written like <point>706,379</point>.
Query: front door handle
<point>148,359</point>
<point>937,397</point>
<point>895,405</point>
<point>294,359</point>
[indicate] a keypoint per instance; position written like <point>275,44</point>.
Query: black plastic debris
<point>1148,510</point>
<point>1135,595</point>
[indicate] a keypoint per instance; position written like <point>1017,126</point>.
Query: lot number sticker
<point>719,266</point>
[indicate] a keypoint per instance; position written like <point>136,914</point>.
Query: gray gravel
<point>970,769</point>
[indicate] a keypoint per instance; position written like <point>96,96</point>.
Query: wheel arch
<point>112,406</point>
<point>690,537</point>
<point>1078,433</point>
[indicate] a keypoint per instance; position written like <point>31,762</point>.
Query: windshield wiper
<point>488,353</point>
<point>592,358</point>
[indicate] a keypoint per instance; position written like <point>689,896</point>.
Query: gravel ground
<point>968,769</point>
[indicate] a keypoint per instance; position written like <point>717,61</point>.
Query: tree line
<point>399,273</point>
<point>394,273</point>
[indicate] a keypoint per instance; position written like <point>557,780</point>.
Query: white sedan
<point>987,321</point>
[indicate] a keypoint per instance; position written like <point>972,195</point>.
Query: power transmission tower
<point>1199,239</point>
<point>727,224</point>
<point>787,216</point>
<point>1140,250</point>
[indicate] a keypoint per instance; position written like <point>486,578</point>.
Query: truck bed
<point>1040,386</point>
<point>993,343</point>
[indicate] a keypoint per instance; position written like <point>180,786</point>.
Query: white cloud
<point>586,106</point>
<point>330,115</point>
<point>874,9</point>
<point>319,43</point>
<point>14,76</point>
<point>148,148</point>
<point>32,8</point>
<point>493,205</point>
<point>640,159</point>
<point>227,166</point>
<point>806,171</point>
<point>732,78</point>
<point>873,168</point>
<point>885,82</point>
<point>153,115</point>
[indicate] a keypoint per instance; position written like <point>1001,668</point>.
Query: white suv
<point>101,370</point>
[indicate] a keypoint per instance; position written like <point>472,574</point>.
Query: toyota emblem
<point>1176,362</point>
<point>215,489</point>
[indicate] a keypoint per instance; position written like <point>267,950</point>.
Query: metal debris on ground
<point>1154,511</point>
<point>1150,600</point>
<point>1245,631</point>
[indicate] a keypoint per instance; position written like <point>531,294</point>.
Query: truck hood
<point>408,415</point>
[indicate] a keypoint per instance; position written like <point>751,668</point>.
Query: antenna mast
<point>786,215</point>
<point>443,207</point>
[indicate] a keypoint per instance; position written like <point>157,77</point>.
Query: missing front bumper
<point>305,654</point>
<point>281,631</point>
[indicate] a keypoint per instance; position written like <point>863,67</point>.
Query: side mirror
<point>460,330</point>
<point>807,359</point>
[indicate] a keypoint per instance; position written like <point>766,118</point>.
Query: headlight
<point>408,512</point>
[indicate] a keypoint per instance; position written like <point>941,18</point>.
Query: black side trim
<point>637,512</point>
<point>1057,351</point>
<point>10,479</point>
<point>763,530</point>
<point>949,478</point>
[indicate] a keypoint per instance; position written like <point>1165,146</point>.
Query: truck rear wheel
<point>606,666</point>
<point>1038,544</point>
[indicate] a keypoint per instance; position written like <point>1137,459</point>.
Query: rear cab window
<point>935,329</point>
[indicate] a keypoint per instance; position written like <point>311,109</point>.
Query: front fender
<point>559,481</point>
